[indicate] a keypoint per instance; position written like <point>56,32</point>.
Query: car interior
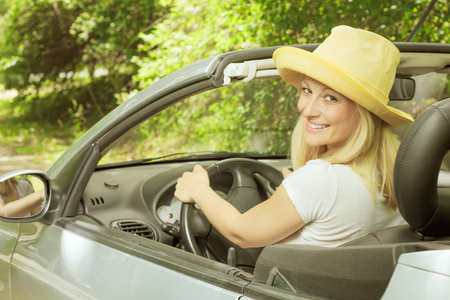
<point>136,195</point>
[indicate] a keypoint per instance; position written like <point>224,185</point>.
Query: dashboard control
<point>172,229</point>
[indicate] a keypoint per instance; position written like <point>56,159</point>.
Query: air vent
<point>136,228</point>
<point>97,201</point>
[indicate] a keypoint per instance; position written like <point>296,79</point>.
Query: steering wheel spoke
<point>244,198</point>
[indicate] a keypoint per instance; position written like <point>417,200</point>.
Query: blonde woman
<point>18,199</point>
<point>343,150</point>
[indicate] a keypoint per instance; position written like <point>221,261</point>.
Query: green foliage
<point>36,43</point>
<point>257,117</point>
<point>56,53</point>
<point>198,29</point>
<point>72,61</point>
<point>32,137</point>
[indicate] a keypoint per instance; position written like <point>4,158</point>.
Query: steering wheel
<point>244,194</point>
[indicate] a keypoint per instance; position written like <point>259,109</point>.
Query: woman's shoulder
<point>313,189</point>
<point>315,171</point>
<point>321,172</point>
<point>319,165</point>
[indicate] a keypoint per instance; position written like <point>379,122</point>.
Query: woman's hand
<point>190,183</point>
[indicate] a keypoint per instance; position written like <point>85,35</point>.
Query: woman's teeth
<point>314,126</point>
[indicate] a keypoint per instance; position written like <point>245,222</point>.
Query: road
<point>9,161</point>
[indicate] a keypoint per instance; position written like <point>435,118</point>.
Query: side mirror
<point>24,196</point>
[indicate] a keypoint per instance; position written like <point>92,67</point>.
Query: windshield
<point>253,117</point>
<point>250,118</point>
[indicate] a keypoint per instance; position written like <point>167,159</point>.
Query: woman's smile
<point>330,117</point>
<point>315,127</point>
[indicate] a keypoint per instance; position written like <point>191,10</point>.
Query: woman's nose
<point>309,107</point>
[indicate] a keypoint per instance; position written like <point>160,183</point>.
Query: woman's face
<point>330,117</point>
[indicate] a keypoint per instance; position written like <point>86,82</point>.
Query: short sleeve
<point>312,189</point>
<point>25,188</point>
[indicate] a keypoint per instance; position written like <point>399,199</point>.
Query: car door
<point>73,259</point>
<point>9,233</point>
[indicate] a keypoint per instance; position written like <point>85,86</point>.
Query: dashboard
<point>140,199</point>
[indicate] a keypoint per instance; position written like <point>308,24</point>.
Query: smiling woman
<point>233,115</point>
<point>330,117</point>
<point>342,148</point>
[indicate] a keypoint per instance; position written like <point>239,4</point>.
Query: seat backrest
<point>397,234</point>
<point>416,172</point>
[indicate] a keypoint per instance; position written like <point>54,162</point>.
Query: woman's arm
<point>21,207</point>
<point>263,225</point>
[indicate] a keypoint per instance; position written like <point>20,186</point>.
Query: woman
<point>18,199</point>
<point>343,150</point>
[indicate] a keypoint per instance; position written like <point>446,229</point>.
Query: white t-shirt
<point>335,205</point>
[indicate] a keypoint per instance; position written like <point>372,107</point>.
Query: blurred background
<point>65,64</point>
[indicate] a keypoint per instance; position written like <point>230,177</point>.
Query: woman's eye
<point>330,98</point>
<point>306,90</point>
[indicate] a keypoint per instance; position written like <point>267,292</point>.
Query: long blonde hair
<point>370,151</point>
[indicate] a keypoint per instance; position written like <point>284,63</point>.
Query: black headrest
<point>417,168</point>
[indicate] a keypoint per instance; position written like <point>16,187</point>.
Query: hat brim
<point>292,63</point>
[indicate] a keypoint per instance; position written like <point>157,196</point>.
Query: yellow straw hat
<point>356,63</point>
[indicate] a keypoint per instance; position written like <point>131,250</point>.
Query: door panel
<point>9,233</point>
<point>56,263</point>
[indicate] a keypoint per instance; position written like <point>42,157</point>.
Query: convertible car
<point>110,227</point>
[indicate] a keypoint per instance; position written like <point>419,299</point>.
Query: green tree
<point>72,59</point>
<point>198,29</point>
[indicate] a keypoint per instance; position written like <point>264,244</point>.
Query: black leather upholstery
<point>417,168</point>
